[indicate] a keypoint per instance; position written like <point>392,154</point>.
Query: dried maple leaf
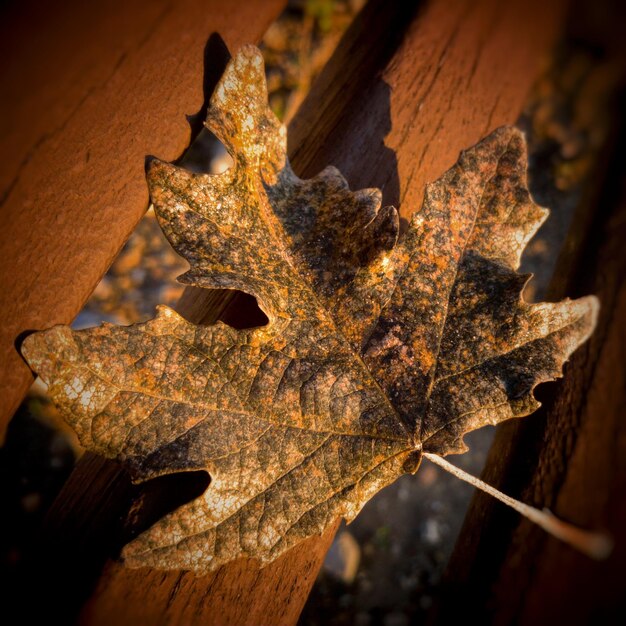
<point>375,352</point>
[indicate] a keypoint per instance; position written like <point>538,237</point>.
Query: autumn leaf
<point>375,353</point>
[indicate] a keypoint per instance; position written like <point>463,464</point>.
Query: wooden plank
<point>405,92</point>
<point>90,89</point>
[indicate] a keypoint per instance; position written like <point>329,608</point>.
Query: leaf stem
<point>595,545</point>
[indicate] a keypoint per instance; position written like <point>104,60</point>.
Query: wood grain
<point>461,70</point>
<point>92,88</point>
<point>408,88</point>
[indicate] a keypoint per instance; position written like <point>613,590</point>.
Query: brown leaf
<point>374,352</point>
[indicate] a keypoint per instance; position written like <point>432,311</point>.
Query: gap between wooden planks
<point>405,92</point>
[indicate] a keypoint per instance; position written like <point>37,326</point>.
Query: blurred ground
<point>384,568</point>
